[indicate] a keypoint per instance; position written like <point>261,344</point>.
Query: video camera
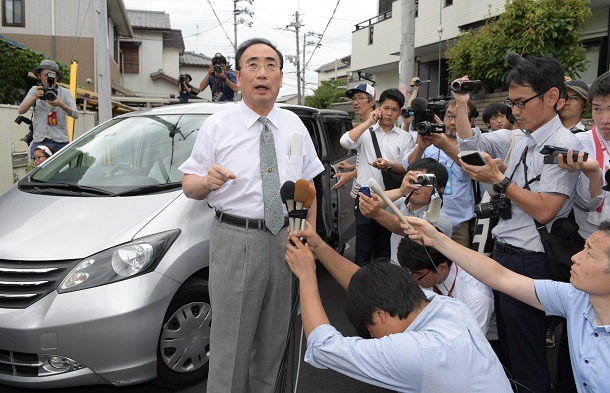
<point>464,86</point>
<point>498,205</point>
<point>29,137</point>
<point>183,77</point>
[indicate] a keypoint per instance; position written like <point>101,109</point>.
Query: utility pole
<point>305,44</point>
<point>102,62</point>
<point>407,45</point>
<point>297,25</point>
<point>236,22</point>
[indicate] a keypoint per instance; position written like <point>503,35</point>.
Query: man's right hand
<point>217,176</point>
<point>462,97</point>
<point>343,179</point>
<point>369,206</point>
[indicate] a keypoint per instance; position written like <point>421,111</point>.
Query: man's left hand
<point>300,259</point>
<point>488,173</point>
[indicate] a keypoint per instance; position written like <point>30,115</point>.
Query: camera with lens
<point>50,92</point>
<point>427,128</point>
<point>498,205</point>
<point>426,180</point>
<point>181,78</point>
<point>218,69</point>
<point>407,112</point>
<point>29,137</point>
<point>464,86</point>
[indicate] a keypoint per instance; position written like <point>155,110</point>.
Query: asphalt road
<point>311,380</point>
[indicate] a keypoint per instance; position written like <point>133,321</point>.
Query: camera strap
<point>526,186</point>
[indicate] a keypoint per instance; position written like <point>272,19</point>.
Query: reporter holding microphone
<point>250,284</point>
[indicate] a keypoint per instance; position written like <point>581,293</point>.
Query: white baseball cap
<point>362,87</point>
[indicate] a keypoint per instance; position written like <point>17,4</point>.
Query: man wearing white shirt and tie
<point>250,284</point>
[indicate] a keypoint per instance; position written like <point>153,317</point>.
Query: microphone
<point>307,204</point>
<point>512,59</point>
<point>419,104</point>
<point>301,191</point>
<point>287,194</point>
<point>379,191</point>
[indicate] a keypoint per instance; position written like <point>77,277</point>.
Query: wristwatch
<point>501,187</point>
<point>389,168</point>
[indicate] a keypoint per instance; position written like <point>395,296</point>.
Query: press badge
<point>449,185</point>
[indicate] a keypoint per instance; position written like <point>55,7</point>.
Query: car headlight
<point>119,263</point>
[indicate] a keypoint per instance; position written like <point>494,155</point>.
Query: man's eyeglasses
<point>418,279</point>
<point>268,66</point>
<point>361,99</point>
<point>520,104</point>
<point>449,118</point>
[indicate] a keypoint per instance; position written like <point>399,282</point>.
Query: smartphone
<point>472,157</point>
<point>548,149</point>
<point>365,190</point>
<point>552,158</point>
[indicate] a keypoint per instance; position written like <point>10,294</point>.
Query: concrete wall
<point>10,144</point>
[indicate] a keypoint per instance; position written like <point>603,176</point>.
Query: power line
<point>322,36</point>
<point>221,26</point>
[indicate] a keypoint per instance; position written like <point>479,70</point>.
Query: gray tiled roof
<point>173,39</point>
<point>195,59</point>
<point>157,20</point>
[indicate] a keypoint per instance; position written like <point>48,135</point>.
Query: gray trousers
<point>250,291</point>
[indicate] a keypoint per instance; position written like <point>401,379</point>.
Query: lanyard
<point>600,147</point>
<point>522,160</point>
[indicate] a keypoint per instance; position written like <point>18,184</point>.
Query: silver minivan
<point>103,260</point>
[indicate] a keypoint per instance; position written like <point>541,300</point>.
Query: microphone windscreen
<point>310,197</point>
<point>373,185</point>
<point>301,190</point>
<point>419,104</point>
<point>512,59</point>
<point>287,191</point>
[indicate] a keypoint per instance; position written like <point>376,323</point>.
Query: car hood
<point>43,227</point>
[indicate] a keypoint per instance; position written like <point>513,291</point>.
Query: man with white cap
<point>52,104</point>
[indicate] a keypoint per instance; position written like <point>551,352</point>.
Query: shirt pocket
<point>295,166</point>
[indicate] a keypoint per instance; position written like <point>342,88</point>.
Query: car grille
<point>19,364</point>
<point>23,283</point>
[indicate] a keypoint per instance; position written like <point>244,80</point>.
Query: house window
<point>131,58</point>
<point>448,3</point>
<point>13,13</point>
<point>371,35</point>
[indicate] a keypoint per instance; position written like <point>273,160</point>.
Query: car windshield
<point>121,157</point>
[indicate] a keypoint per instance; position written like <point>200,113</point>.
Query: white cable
<point>296,380</point>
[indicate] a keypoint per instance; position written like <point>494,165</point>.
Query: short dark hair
<point>433,167</point>
<point>253,41</point>
<point>381,285</point>
<point>413,256</point>
<point>472,109</point>
<point>600,87</point>
<point>394,95</point>
<point>540,73</point>
<point>495,108</point>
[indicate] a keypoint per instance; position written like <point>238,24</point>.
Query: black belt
<point>250,223</point>
<point>506,248</point>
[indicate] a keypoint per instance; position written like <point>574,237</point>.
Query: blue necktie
<point>274,213</point>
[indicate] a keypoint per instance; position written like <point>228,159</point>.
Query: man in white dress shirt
<point>250,284</point>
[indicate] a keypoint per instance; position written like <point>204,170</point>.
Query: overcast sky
<point>202,32</point>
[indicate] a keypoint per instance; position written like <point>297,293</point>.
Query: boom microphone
<point>379,191</point>
<point>513,58</point>
<point>419,104</point>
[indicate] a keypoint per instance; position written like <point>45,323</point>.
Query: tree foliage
<point>15,64</point>
<point>528,27</point>
<point>328,92</point>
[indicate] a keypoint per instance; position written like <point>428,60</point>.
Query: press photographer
<point>437,139</point>
<point>52,104</point>
<point>222,82</point>
<point>184,88</point>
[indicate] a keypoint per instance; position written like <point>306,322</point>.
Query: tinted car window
<point>335,128</point>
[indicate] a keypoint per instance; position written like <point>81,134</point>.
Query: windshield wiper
<point>150,189</point>
<point>63,189</point>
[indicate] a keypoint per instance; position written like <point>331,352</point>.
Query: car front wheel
<point>184,344</point>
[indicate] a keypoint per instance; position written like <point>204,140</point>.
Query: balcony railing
<point>376,19</point>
